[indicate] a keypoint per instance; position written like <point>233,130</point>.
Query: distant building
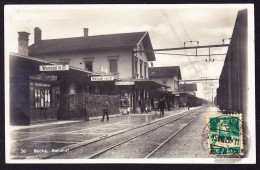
<point>170,77</point>
<point>187,94</point>
<point>188,88</point>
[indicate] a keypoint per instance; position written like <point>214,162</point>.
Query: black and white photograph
<point>161,84</point>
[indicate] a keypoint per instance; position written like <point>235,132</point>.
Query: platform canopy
<point>152,84</point>
<point>32,65</point>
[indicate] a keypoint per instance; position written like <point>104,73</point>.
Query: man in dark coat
<point>143,104</point>
<point>161,107</point>
<point>105,111</point>
<point>168,105</point>
<point>188,105</point>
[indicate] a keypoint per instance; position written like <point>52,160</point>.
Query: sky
<point>169,26</point>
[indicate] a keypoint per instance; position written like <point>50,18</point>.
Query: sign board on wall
<point>102,78</point>
<point>119,83</point>
<point>39,84</point>
<point>54,67</point>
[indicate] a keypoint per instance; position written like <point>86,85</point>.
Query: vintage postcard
<point>162,84</point>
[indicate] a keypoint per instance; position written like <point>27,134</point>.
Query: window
<point>89,65</point>
<point>113,65</point>
<point>136,64</point>
<point>42,97</point>
<point>176,85</point>
<point>145,68</point>
<point>141,68</point>
<point>64,61</point>
<point>140,48</point>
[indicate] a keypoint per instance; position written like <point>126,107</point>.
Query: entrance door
<point>43,101</point>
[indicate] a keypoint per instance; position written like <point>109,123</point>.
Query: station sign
<point>59,67</point>
<point>102,78</point>
<point>122,83</point>
<point>40,84</point>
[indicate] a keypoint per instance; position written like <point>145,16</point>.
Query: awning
<point>149,83</point>
<point>141,83</point>
<point>159,90</point>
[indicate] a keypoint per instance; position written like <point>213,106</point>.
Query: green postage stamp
<point>224,134</point>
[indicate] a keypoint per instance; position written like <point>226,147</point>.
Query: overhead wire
<point>187,54</point>
<point>179,40</point>
<point>171,25</point>
<point>188,36</point>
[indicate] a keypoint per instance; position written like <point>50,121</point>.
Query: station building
<point>59,78</point>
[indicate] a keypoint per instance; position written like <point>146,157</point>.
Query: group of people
<point>159,105</point>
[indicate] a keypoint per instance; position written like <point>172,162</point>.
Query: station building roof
<point>97,42</point>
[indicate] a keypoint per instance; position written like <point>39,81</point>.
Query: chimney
<point>85,32</point>
<point>23,41</point>
<point>37,35</point>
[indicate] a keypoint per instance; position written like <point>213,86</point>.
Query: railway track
<point>174,134</point>
<point>160,124</point>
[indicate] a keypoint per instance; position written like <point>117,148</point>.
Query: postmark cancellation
<point>224,135</point>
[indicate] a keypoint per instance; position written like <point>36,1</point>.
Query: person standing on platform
<point>105,111</point>
<point>155,106</point>
<point>188,106</point>
<point>152,103</point>
<point>161,107</point>
<point>143,104</point>
<point>168,105</point>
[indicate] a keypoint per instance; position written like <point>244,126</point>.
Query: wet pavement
<point>43,139</point>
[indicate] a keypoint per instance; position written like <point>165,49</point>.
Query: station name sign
<point>102,78</point>
<point>122,83</point>
<point>59,67</point>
